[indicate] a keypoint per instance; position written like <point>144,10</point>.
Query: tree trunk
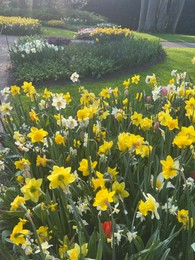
<point>142,17</point>
<point>174,15</point>
<point>162,16</point>
<point>151,17</point>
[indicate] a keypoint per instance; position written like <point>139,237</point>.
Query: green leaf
<point>139,243</point>
<point>166,253</point>
<point>4,235</point>
<point>41,213</point>
<point>99,250</point>
<point>92,245</point>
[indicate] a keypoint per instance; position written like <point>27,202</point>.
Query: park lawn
<point>167,37</point>
<point>57,32</point>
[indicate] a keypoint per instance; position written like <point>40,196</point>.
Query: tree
<point>160,15</point>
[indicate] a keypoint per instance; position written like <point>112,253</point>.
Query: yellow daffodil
<point>17,202</point>
<point>112,172</point>
<point>15,90</point>
<point>37,135</point>
<point>136,118</point>
<point>146,123</point>
<point>98,182</point>
<point>183,217</point>
<point>61,177</point>
<point>22,164</point>
<point>59,139</point>
<point>18,235</point>
<point>135,79</point>
<point>32,189</point>
<point>43,234</point>
<point>105,147</point>
<point>74,253</point>
<point>150,205</point>
<point>119,188</point>
<point>170,167</point>
<point>127,83</point>
<point>85,168</point>
<point>41,161</point>
<point>33,116</point>
<point>103,198</point>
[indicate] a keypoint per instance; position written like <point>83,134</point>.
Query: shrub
<point>83,17</point>
<point>108,178</point>
<point>19,26</point>
<point>56,24</point>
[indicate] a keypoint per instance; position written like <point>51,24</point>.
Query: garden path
<point>5,64</point>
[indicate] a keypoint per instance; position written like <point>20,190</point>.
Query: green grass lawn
<point>56,32</point>
<point>167,37</point>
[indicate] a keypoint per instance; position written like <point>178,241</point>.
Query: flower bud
<point>148,99</point>
<point>156,126</point>
<point>164,91</point>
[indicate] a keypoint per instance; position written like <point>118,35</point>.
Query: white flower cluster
<point>170,206</point>
<point>74,20</point>
<point>34,46</point>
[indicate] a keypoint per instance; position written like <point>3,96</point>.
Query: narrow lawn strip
<point>166,37</point>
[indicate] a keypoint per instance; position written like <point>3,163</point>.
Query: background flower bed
<point>114,143</point>
<point>89,60</point>
<point>19,26</point>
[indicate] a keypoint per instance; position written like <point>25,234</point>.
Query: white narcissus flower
<point>131,235</point>
<point>171,88</point>
<point>71,123</point>
<point>59,102</point>
<point>2,166</point>
<point>74,77</point>
<point>174,73</point>
<point>5,92</point>
<point>5,109</point>
<point>156,93</point>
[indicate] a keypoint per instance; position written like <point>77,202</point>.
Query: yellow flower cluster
<point>19,24</point>
<point>112,31</point>
<point>6,20</point>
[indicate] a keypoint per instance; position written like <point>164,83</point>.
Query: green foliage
<point>83,17</point>
<point>56,24</point>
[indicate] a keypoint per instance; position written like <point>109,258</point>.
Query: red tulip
<point>107,227</point>
<point>192,175</point>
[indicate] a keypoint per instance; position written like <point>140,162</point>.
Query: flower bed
<point>88,59</point>
<point>19,26</point>
<point>105,34</point>
<point>109,178</point>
